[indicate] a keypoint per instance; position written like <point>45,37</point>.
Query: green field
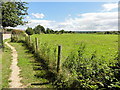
<point>104,45</point>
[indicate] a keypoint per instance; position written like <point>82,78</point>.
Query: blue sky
<point>60,10</point>
<point>71,0</point>
<point>74,16</point>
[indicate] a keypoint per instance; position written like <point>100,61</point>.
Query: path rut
<point>15,79</point>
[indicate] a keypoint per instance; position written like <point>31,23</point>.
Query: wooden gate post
<point>59,57</point>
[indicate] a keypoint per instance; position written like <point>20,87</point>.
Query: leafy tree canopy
<point>48,31</point>
<point>39,29</point>
<point>13,13</point>
<point>29,31</point>
<point>61,31</point>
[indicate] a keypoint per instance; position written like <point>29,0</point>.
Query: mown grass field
<point>104,45</point>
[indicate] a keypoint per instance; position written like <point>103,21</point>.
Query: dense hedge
<point>17,32</point>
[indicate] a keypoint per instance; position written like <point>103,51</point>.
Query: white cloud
<point>105,21</point>
<point>38,15</point>
<point>45,23</point>
<point>110,6</point>
<point>33,22</point>
<point>91,21</point>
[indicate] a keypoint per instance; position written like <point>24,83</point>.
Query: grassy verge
<point>6,62</point>
<point>29,68</point>
<point>0,69</point>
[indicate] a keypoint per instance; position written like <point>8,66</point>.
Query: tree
<point>69,31</point>
<point>61,31</point>
<point>56,32</point>
<point>42,29</point>
<point>47,31</point>
<point>39,29</point>
<point>13,14</point>
<point>107,32</point>
<point>29,31</point>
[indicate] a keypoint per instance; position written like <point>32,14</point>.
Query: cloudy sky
<point>73,16</point>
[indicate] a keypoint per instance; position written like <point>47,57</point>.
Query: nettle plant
<point>88,72</point>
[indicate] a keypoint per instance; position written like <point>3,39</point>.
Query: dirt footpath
<point>15,79</point>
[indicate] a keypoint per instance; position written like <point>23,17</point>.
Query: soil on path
<point>15,79</point>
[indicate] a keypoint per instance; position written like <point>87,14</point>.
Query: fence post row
<point>59,57</point>
<point>36,49</point>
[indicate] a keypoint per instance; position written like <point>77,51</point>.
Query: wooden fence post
<point>17,37</point>
<point>36,44</point>
<point>29,39</point>
<point>11,37</point>
<point>25,39</point>
<point>59,57</point>
<point>1,41</point>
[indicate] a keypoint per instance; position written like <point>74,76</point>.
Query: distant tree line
<point>109,32</point>
<point>41,30</point>
<point>98,32</point>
